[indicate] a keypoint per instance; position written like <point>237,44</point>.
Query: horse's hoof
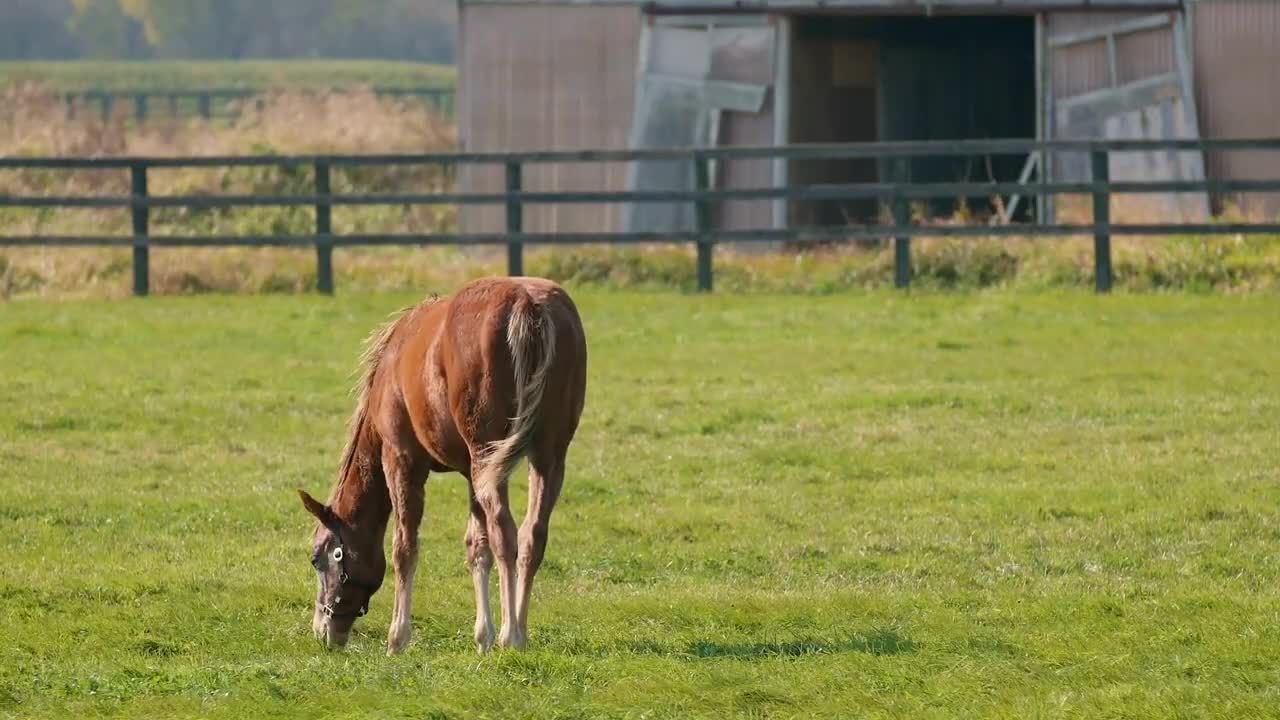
<point>484,639</point>
<point>513,640</point>
<point>397,642</point>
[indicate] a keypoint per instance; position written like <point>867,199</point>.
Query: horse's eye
<point>316,562</point>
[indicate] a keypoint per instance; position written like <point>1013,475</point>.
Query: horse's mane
<point>375,347</point>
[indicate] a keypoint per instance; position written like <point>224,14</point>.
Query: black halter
<point>330,609</point>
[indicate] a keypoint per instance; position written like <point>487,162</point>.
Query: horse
<point>471,384</point>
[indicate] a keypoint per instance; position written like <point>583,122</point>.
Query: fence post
<point>141,218</point>
<point>204,106</point>
<point>324,231</point>
<point>901,220</point>
<point>1102,219</point>
<point>140,107</point>
<point>702,221</point>
<point>108,104</point>
<point>515,220</point>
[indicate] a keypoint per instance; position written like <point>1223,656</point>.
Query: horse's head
<point>349,568</point>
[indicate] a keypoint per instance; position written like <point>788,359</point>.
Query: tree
<point>105,30</point>
<point>36,30</point>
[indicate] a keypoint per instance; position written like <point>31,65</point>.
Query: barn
<point>588,74</point>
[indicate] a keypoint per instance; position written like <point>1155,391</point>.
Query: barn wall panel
<point>547,77</point>
<point>1084,68</point>
<point>744,55</point>
<point>1237,51</point>
<point>747,129</point>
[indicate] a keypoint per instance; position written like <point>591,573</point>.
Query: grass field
<point>195,74</point>
<point>984,504</point>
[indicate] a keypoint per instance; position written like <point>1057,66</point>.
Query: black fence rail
<point>702,197</point>
<point>218,103</point>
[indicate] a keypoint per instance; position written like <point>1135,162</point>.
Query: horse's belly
<point>428,410</point>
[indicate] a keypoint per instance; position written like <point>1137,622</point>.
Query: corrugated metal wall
<point>1237,56</point>
<point>1084,68</point>
<point>739,56</point>
<point>1095,98</point>
<point>746,129</point>
<point>543,77</point>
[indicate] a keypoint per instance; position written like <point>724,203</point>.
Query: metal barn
<point>585,74</point>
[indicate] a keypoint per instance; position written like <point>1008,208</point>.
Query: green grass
<point>967,505</point>
<point>169,75</point>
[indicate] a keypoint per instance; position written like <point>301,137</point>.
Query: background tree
<point>36,30</point>
<point>105,30</point>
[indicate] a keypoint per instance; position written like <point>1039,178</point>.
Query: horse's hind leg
<point>479,562</point>
<point>490,487</point>
<point>546,476</point>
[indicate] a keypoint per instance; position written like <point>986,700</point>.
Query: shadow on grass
<point>878,642</point>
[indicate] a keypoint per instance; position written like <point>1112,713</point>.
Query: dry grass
<point>32,123</point>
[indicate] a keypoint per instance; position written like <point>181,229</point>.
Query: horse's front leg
<point>406,484</point>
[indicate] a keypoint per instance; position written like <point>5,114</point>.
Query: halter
<point>329,609</point>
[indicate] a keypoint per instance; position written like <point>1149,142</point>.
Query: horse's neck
<point>362,500</point>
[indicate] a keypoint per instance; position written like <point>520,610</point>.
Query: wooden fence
<point>704,236</point>
<point>217,103</point>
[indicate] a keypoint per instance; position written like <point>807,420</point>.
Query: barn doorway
<point>856,79</point>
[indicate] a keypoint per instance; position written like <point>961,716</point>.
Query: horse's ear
<point>315,507</point>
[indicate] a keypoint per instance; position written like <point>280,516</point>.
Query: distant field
<point>225,74</point>
<point>982,506</point>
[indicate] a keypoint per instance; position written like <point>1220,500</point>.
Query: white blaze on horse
<point>471,384</point>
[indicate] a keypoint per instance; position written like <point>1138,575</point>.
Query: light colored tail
<point>531,336</point>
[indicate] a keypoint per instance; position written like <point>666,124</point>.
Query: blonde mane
<point>375,347</point>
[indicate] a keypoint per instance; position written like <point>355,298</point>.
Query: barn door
<point>1122,80</point>
<point>682,93</point>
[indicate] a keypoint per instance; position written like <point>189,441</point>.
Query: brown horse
<point>469,384</point>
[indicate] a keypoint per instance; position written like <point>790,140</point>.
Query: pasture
<point>201,74</point>
<point>986,504</point>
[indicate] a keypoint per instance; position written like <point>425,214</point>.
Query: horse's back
<point>480,312</point>
<point>479,360</point>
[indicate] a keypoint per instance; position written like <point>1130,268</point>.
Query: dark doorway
<point>909,78</point>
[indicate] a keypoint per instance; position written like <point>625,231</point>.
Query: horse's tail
<point>531,338</point>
